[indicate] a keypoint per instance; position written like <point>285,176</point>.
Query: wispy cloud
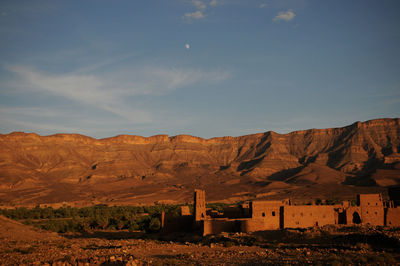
<point>201,7</point>
<point>110,91</point>
<point>61,119</point>
<point>195,15</point>
<point>214,3</point>
<point>199,4</point>
<point>263,5</point>
<point>285,16</point>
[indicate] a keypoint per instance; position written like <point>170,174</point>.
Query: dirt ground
<point>329,245</point>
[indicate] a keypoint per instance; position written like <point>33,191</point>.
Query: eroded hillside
<point>133,169</point>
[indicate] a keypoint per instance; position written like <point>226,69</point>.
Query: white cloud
<point>285,15</point>
<point>214,3</point>
<point>201,7</point>
<point>263,5</point>
<point>187,46</point>
<point>199,4</point>
<point>195,15</point>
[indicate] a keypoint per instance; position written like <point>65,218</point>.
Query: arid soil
<point>328,245</point>
<point>360,158</point>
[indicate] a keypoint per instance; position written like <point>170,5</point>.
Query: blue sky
<point>201,67</point>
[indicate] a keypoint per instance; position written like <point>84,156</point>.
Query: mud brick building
<point>274,215</point>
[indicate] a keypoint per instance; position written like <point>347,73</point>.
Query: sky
<point>206,68</point>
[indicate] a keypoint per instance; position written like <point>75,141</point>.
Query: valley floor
<point>328,245</point>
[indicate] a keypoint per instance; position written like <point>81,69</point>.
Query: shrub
<point>154,225</point>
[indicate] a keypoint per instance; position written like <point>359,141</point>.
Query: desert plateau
<point>303,165</point>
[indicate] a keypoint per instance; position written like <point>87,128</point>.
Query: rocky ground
<point>328,245</point>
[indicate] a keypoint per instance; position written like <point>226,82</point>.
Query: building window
<point>297,222</point>
<point>367,211</point>
<point>301,214</point>
<point>263,214</point>
<point>273,213</point>
<point>376,213</point>
<point>368,203</point>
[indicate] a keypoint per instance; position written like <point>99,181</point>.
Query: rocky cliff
<point>72,168</point>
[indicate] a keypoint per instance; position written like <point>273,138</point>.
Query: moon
<point>187,46</point>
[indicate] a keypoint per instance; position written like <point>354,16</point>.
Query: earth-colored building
<point>274,215</point>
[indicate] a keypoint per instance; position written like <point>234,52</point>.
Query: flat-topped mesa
<point>380,122</point>
<point>20,135</point>
<point>70,138</point>
<point>187,138</point>
<point>132,139</point>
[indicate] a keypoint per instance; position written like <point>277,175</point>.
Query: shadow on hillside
<point>285,174</point>
<point>359,181</point>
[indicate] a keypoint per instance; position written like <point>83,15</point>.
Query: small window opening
<point>301,214</point>
<point>263,214</point>
<point>273,213</point>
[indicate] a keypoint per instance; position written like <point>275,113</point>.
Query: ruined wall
<point>216,226</point>
<point>353,215</point>
<point>372,211</point>
<point>307,216</point>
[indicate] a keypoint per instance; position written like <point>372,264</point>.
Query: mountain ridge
<point>129,168</point>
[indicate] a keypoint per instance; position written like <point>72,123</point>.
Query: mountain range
<point>304,165</point>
